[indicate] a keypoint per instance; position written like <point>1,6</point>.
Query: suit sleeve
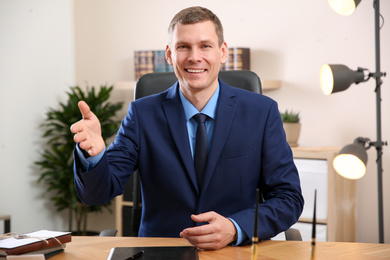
<point>279,185</point>
<point>107,180</point>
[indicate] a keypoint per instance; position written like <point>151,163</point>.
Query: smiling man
<point>244,149</point>
<point>196,52</point>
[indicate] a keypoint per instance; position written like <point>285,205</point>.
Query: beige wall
<point>289,41</point>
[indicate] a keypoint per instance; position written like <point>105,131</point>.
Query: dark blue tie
<point>200,157</point>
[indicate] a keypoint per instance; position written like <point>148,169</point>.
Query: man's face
<point>196,55</point>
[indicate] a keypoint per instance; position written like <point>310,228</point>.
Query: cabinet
<point>336,196</point>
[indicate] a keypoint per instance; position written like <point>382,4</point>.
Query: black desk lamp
<point>352,159</point>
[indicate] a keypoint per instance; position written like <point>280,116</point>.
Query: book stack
<point>44,242</point>
<point>149,62</point>
<point>238,59</point>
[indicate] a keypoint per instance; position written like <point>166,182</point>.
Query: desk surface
<point>99,248</point>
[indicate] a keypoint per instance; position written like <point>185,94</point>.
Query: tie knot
<point>200,118</point>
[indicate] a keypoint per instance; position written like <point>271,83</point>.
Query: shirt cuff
<point>89,163</point>
<point>241,235</point>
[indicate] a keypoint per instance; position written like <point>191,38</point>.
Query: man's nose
<point>195,55</point>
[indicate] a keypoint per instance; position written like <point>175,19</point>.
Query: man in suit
<point>246,150</point>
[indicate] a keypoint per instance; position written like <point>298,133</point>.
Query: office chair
<point>154,83</point>
<point>108,233</point>
<point>293,234</point>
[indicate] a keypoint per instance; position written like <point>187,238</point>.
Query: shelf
<point>270,84</point>
<point>265,84</point>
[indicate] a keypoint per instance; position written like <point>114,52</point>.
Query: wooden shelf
<point>270,84</point>
<point>265,84</point>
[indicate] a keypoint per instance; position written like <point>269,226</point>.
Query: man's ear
<point>168,55</point>
<point>224,52</point>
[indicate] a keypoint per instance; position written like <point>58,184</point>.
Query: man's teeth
<point>195,71</point>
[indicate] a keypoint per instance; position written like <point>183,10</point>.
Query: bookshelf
<point>148,61</point>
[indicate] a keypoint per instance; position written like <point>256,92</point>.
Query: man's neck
<point>199,98</point>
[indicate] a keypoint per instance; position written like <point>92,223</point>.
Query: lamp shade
<point>351,161</point>
<point>336,77</point>
<point>344,7</point>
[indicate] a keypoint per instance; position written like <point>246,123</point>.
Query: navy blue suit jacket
<point>248,151</point>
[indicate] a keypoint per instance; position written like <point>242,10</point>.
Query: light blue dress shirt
<point>189,111</point>
<point>210,110</point>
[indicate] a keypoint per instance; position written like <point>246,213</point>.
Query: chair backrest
<point>108,233</point>
<point>154,83</point>
<point>293,234</point>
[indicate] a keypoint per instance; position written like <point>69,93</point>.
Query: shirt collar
<point>209,110</point>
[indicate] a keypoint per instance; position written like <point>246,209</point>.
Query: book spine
<point>143,63</point>
<point>51,242</point>
<point>160,63</point>
<point>238,59</point>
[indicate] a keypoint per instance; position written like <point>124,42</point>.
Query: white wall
<point>36,67</point>
<point>289,41</point>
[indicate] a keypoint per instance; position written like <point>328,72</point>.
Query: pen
<point>313,234</point>
<point>135,256</point>
<point>255,238</point>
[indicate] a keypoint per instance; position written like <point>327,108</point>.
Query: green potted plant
<point>56,163</point>
<point>292,126</point>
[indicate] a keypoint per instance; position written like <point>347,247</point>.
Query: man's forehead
<point>186,32</point>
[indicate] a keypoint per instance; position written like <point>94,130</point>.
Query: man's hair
<point>196,14</point>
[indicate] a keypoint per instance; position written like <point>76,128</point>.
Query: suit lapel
<point>225,112</point>
<point>173,111</point>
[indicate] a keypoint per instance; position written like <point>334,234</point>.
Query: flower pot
<point>292,133</point>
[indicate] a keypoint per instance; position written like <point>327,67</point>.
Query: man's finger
<point>204,217</point>
<point>196,231</point>
<point>76,127</point>
<point>85,110</point>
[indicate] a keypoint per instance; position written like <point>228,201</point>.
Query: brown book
<point>238,59</point>
<point>143,63</point>
<point>36,241</point>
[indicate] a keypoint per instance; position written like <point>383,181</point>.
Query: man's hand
<point>217,234</point>
<point>88,131</point>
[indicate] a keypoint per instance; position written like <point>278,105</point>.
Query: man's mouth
<point>195,70</point>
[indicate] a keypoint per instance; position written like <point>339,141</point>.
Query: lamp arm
<point>366,76</point>
<point>378,144</point>
<point>364,142</point>
<point>376,75</point>
<point>367,144</point>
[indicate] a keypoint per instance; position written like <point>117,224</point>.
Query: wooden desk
<point>82,248</point>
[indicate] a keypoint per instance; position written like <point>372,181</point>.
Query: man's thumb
<point>85,110</point>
